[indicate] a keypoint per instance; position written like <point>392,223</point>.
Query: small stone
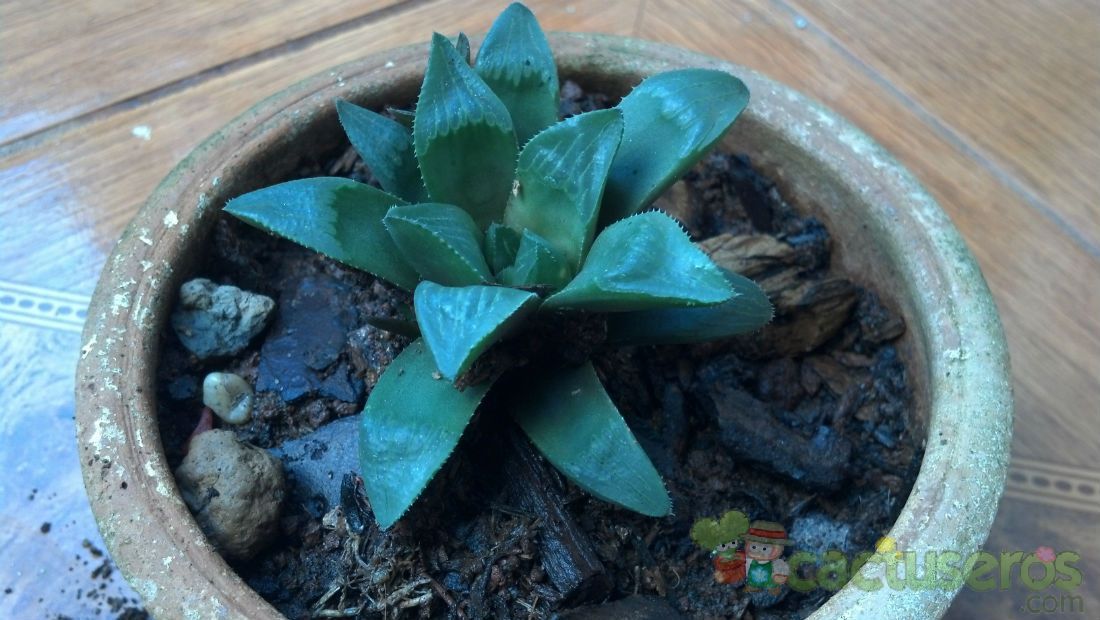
<point>235,490</point>
<point>214,320</point>
<point>229,396</point>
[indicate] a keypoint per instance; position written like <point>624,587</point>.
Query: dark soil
<point>825,379</point>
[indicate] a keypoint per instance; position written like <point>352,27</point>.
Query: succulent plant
<point>501,218</point>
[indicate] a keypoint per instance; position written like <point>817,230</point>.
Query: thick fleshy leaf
<point>337,217</point>
<point>561,175</point>
<point>515,61</point>
<point>747,311</point>
<point>501,245</point>
<point>463,137</point>
<point>411,424</point>
<point>643,262</point>
<point>440,241</point>
<point>537,264</point>
<point>462,46</point>
<point>386,148</point>
<point>460,323</point>
<point>571,420</point>
<point>672,120</point>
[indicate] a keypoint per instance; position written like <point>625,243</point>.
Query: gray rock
<point>316,463</point>
<point>214,320</point>
<point>818,533</point>
<point>235,490</point>
<point>301,355</point>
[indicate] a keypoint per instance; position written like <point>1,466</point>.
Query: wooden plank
<point>62,59</point>
<point>1038,275</point>
<point>1017,82</point>
<point>64,201</point>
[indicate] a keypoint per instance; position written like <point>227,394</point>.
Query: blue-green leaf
<point>537,264</point>
<point>460,323</point>
<point>386,148</point>
<point>561,175</point>
<point>440,241</point>
<point>672,120</point>
<point>570,419</point>
<point>748,310</point>
<point>411,424</point>
<point>515,61</point>
<point>463,137</point>
<point>643,262</point>
<point>462,46</point>
<point>337,217</point>
<point>501,245</point>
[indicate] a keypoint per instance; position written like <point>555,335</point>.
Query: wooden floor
<point>994,104</point>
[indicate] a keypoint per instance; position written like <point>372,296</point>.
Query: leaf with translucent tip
<point>501,245</point>
<point>463,137</point>
<point>643,262</point>
<point>561,175</point>
<point>337,217</point>
<point>573,423</point>
<point>462,46</point>
<point>460,323</point>
<point>748,310</point>
<point>537,264</point>
<point>516,62</point>
<point>672,120</point>
<point>440,241</point>
<point>411,424</point>
<point>386,148</point>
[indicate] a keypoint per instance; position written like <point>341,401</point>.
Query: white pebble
<point>229,396</point>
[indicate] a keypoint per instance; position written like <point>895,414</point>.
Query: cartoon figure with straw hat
<point>764,568</point>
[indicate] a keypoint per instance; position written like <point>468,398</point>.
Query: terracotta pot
<point>888,233</point>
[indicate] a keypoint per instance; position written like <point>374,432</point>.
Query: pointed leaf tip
<point>516,62</point>
<point>672,120</point>
<point>386,147</point>
<point>337,217</point>
<point>561,175</point>
<point>463,137</point>
<point>411,424</point>
<point>440,241</point>
<point>573,423</point>
<point>643,262</point>
<point>461,323</point>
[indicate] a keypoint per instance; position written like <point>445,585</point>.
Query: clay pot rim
<point>157,544</point>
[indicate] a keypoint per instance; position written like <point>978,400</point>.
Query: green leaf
<point>411,424</point>
<point>561,174</point>
<point>460,323</point>
<point>440,241</point>
<point>672,120</point>
<point>515,61</point>
<point>462,46</point>
<point>537,264</point>
<point>748,310</point>
<point>463,137</point>
<point>501,245</point>
<point>571,420</point>
<point>643,262</point>
<point>386,148</point>
<point>337,217</point>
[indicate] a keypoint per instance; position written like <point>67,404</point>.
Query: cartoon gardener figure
<point>721,538</point>
<point>764,569</point>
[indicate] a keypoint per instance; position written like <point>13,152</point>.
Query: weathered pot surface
<point>888,231</point>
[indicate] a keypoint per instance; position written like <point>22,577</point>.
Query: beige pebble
<point>229,396</point>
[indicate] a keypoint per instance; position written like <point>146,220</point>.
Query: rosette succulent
<point>502,219</point>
